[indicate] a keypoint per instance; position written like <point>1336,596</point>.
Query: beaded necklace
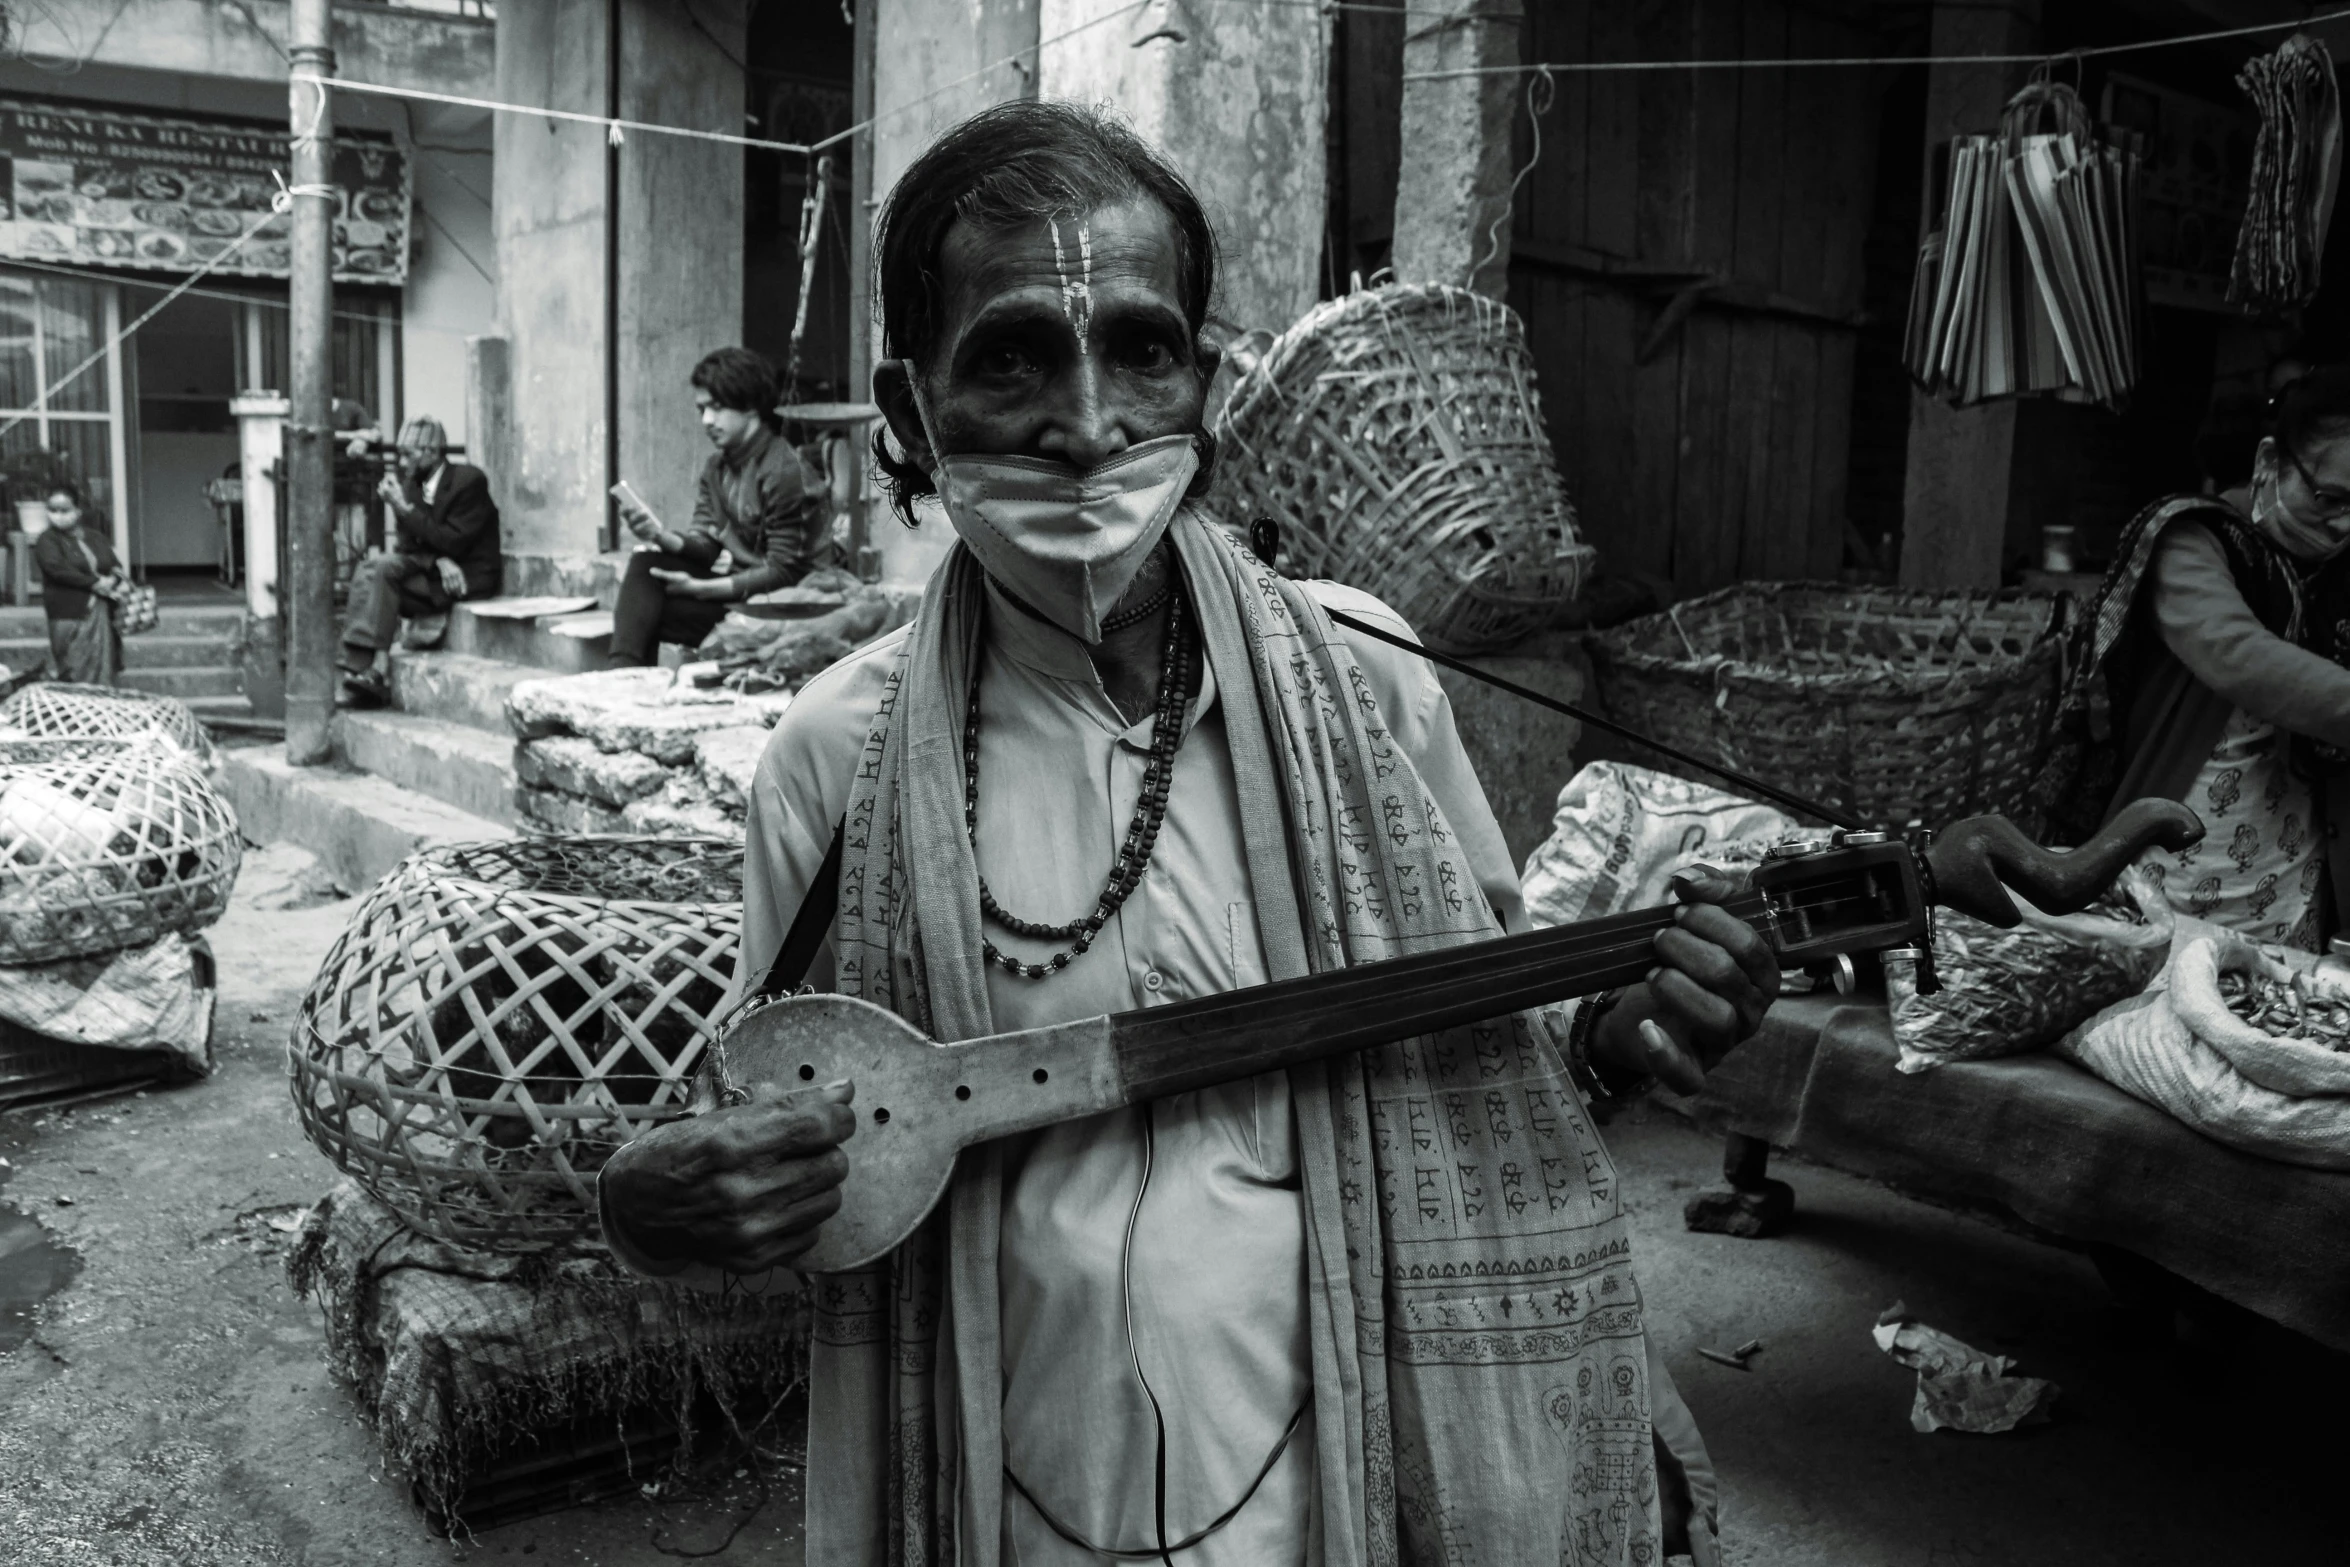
<point>1178,671</point>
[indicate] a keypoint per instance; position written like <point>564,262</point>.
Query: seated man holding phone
<point>761,520</point>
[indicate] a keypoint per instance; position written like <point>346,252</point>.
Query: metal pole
<point>309,453</point>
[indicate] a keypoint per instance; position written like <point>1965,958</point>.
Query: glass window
<point>56,386</point>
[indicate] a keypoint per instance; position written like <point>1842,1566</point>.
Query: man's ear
<point>893,394</point>
<point>1210,354</point>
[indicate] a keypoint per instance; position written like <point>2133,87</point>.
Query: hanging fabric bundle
<point>2296,168</point>
<point>2030,284</point>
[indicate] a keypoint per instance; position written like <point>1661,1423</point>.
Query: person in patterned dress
<point>2229,622</point>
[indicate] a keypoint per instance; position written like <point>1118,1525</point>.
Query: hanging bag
<point>135,604</point>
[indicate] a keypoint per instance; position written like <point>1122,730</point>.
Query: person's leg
<point>64,656</point>
<point>686,621</point>
<point>373,619</point>
<point>639,615</point>
<point>424,606</point>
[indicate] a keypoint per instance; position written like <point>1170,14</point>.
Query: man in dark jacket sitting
<point>761,519</point>
<point>448,549</point>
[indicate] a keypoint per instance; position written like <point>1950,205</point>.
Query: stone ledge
<point>357,825</point>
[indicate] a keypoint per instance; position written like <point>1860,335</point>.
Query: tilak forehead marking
<point>1077,292</point>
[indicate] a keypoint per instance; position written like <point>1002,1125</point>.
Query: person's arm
<point>793,516</point>
<point>62,565</point>
<point>701,543</point>
<point>2205,622</point>
<point>741,1190</point>
<point>458,525</point>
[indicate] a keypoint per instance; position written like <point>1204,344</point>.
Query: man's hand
<point>1713,981</point>
<point>393,495</point>
<point>452,576</point>
<point>742,1189</point>
<point>642,523</point>
<point>686,585</point>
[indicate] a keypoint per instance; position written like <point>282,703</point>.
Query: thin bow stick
<point>1747,781</point>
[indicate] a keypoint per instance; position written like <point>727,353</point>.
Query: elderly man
<point>1378,1309</point>
<point>446,549</point>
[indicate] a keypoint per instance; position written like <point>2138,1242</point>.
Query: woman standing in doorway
<point>80,578</point>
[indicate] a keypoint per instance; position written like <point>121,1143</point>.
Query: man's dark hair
<point>741,379</point>
<point>1017,163</point>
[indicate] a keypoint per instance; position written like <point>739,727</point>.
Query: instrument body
<point>919,1104</point>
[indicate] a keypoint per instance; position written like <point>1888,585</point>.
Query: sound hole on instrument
<point>962,1090</point>
<point>881,1115</point>
<point>807,1073</point>
<point>1040,1074</point>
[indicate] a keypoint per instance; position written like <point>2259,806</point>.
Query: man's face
<point>419,457</point>
<point>727,428</point>
<point>1063,339</point>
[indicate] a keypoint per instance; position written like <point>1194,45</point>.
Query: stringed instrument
<point>919,1104</point>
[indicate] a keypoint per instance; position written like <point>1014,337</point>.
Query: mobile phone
<point>628,497</point>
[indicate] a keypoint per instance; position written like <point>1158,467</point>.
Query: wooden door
<point>1688,258</point>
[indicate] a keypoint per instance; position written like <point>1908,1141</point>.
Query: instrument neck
<point>1214,1039</point>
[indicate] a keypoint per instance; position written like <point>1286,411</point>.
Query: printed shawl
<point>1479,1360</point>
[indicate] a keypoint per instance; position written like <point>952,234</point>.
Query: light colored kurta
<point>1218,1278</point>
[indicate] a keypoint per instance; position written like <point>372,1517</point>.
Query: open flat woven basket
<point>105,844</point>
<point>1895,704</point>
<point>49,709</point>
<point>1395,435</point>
<point>497,1018</point>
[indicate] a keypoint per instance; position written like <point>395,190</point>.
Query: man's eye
<point>1148,354</point>
<point>1004,360</point>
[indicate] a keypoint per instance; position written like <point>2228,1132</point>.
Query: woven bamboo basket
<point>1896,705</point>
<point>105,844</point>
<point>497,1018</point>
<point>49,709</point>
<point>1395,435</point>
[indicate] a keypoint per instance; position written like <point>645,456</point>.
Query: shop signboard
<point>92,187</point>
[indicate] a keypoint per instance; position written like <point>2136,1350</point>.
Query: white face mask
<point>1066,543</point>
<point>2310,541</point>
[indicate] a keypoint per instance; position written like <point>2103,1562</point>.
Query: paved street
<point>171,1407</point>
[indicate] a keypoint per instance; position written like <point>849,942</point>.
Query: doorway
<point>185,368</point>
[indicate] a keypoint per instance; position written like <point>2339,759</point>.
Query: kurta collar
<point>1040,646</point>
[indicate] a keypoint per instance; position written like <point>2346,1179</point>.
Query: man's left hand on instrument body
<point>1714,979</point>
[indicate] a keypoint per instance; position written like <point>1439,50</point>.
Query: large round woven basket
<point>497,1018</point>
<point>49,709</point>
<point>107,843</point>
<point>1395,436</point>
<point>1896,705</point>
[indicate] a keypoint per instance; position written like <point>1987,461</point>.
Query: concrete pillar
<point>547,210</point>
<point>1961,468</point>
<point>680,236</point>
<point>1453,187</point>
<point>1236,96</point>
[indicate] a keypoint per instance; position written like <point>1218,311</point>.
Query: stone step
<point>174,617</point>
<point>154,650</point>
<point>458,687</point>
<point>202,680</point>
<point>553,634</point>
<point>456,764</point>
<point>358,826</point>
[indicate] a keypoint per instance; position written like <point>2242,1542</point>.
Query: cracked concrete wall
<point>680,261</point>
<point>1236,96</point>
<point>1452,193</point>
